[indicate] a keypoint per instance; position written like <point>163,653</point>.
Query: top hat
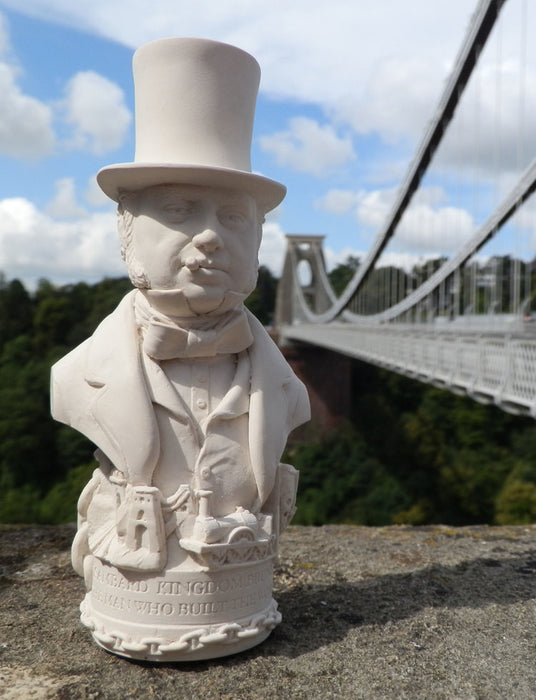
<point>195,105</point>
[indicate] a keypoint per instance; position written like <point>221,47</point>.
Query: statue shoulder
<point>70,375</point>
<point>269,366</point>
<point>103,337</point>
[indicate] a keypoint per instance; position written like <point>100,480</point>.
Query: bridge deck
<point>488,366</point>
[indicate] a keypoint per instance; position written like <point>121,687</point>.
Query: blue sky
<point>347,88</point>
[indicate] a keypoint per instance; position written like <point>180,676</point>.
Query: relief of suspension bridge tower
<point>463,320</point>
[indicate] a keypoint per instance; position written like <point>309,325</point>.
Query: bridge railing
<point>489,367</point>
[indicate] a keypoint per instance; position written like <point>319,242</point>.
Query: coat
<point>99,389</point>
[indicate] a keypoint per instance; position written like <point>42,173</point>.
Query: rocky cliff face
<point>397,612</point>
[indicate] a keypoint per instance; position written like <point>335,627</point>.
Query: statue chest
<point>203,425</point>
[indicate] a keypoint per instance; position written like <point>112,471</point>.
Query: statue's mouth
<point>193,264</point>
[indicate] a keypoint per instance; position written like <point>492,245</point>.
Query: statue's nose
<point>208,240</point>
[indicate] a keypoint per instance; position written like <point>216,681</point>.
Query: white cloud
<point>94,195</point>
<point>428,225</point>
<point>25,122</point>
<point>429,230</point>
<point>376,66</point>
<point>64,204</point>
<point>95,108</point>
<point>334,258</point>
<point>64,244</point>
<point>338,201</point>
<point>430,194</point>
<point>327,54</point>
<point>370,208</point>
<point>34,245</point>
<point>308,147</point>
<point>397,98</point>
<point>5,44</point>
<point>374,206</point>
<point>273,246</point>
<point>497,128</point>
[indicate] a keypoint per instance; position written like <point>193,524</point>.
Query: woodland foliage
<point>409,453</point>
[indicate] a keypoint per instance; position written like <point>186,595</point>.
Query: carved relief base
<point>180,615</point>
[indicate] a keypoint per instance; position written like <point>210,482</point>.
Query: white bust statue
<point>186,397</point>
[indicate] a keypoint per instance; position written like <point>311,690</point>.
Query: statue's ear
<point>129,201</point>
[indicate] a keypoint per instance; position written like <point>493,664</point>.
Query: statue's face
<point>201,240</point>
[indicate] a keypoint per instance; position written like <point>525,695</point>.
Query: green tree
<point>16,311</point>
<point>340,481</point>
<point>516,502</point>
<point>261,302</point>
<point>410,454</point>
<point>59,503</point>
<point>342,273</point>
<point>105,297</point>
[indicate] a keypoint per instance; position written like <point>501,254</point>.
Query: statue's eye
<point>178,212</point>
<point>233,219</point>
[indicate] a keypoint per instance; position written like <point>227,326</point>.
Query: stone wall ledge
<point>394,612</point>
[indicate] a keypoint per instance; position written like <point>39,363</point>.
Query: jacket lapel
<point>122,406</point>
<point>278,404</point>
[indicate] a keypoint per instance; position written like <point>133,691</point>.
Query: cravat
<point>166,338</point>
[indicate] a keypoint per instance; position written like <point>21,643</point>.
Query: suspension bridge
<point>462,319</point>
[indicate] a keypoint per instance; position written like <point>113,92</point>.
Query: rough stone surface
<point>396,612</point>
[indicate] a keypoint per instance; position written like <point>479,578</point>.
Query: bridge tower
<point>304,255</point>
<point>326,374</point>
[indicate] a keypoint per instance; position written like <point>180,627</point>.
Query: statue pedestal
<point>180,615</point>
